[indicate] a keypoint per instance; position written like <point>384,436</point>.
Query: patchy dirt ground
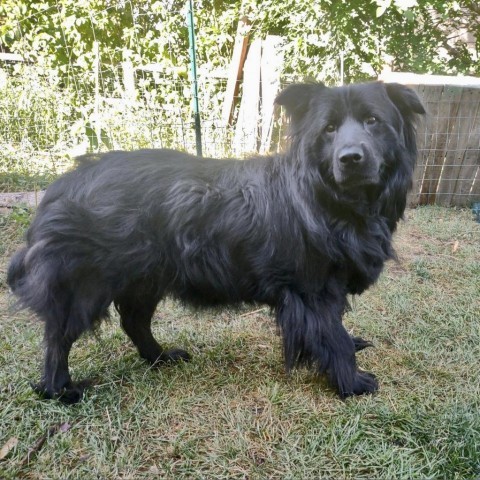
<point>8,200</point>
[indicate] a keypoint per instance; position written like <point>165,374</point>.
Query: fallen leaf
<point>9,445</point>
<point>65,427</point>
<point>455,246</point>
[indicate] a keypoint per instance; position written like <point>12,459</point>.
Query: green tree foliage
<point>425,36</point>
<point>62,34</point>
<point>70,96</point>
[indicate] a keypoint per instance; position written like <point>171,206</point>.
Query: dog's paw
<point>363,383</point>
<point>69,394</point>
<point>360,343</point>
<point>173,355</point>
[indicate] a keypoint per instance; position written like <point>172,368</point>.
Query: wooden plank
<point>270,71</point>
<point>457,145</point>
<point>433,148</point>
<point>474,194</point>
<point>407,78</point>
<point>455,142</point>
<point>128,74</point>
<point>425,133</point>
<point>418,173</point>
<point>246,131</point>
<point>235,70</point>
<point>467,187</point>
<point>10,200</point>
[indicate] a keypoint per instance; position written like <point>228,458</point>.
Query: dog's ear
<point>405,99</point>
<point>296,98</point>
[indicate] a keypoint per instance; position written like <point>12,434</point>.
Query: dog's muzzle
<point>355,166</point>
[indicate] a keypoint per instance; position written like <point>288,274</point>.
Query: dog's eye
<point>371,120</point>
<point>330,128</point>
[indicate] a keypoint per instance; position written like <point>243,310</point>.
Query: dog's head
<point>356,135</point>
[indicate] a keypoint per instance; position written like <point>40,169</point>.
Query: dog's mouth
<point>357,181</point>
<point>356,173</point>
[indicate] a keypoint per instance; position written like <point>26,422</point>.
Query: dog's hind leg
<point>136,308</point>
<point>63,325</point>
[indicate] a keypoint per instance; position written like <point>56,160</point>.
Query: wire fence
<point>448,170</point>
<point>47,118</point>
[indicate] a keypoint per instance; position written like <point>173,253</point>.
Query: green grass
<point>233,412</point>
<point>19,182</point>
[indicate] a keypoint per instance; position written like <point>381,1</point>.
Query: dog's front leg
<point>313,334</point>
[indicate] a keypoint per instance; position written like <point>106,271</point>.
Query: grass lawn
<point>233,412</point>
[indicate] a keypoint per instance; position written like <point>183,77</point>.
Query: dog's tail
<point>31,280</point>
<point>16,270</point>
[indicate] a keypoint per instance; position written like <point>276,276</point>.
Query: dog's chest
<point>362,251</point>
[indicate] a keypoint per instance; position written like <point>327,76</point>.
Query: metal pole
<point>193,73</point>
<point>341,66</point>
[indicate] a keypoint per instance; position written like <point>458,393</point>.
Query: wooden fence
<point>448,167</point>
<point>449,147</point>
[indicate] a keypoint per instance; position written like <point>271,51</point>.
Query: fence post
<point>193,73</point>
<point>96,71</point>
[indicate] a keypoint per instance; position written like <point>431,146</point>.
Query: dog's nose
<point>351,156</point>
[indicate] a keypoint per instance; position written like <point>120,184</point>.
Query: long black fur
<point>297,231</point>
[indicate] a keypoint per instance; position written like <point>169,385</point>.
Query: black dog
<point>297,231</point>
